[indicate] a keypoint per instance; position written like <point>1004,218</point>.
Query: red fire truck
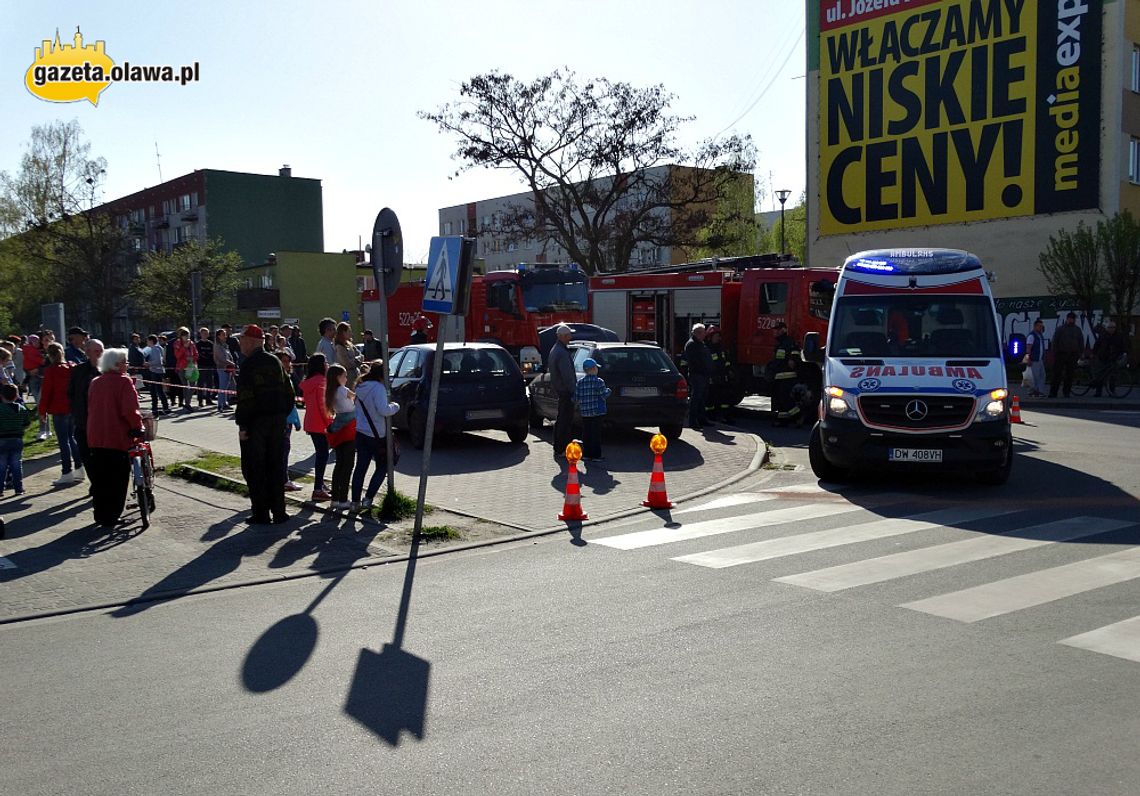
<point>507,307</point>
<point>745,296</point>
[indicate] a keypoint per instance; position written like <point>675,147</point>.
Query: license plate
<point>922,455</point>
<point>639,392</point>
<point>484,414</point>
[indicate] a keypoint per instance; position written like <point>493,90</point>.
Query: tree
<point>162,291</point>
<point>48,211</point>
<point>597,159</point>
<point>1071,266</point>
<point>1119,241</point>
<point>794,224</point>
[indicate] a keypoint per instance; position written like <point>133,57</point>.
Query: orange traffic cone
<point>572,506</point>
<point>657,498</point>
<point>1015,411</point>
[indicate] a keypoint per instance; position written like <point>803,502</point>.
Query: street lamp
<point>782,195</point>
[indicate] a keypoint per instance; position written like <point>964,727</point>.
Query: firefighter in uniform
<point>795,391</point>
<point>721,400</point>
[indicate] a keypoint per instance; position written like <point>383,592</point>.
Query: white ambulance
<point>913,372</point>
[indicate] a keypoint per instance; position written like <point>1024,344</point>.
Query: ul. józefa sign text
<point>940,111</point>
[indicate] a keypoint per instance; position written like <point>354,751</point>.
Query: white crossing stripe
<point>1036,588</point>
<point>803,543</point>
<point>738,499</point>
<point>1121,640</point>
<point>696,530</point>
<point>912,562</point>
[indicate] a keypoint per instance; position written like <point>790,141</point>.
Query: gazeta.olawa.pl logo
<point>78,71</point>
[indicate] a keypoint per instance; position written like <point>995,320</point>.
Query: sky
<point>332,88</point>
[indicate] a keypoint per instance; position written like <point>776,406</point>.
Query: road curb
<point>761,457</point>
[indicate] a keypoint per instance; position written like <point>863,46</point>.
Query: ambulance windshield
<point>944,327</point>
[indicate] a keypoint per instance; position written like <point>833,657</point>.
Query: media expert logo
<point>944,111</point>
<point>74,72</point>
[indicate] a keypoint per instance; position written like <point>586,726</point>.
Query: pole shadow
<point>389,689</point>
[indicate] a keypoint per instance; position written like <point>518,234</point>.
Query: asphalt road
<point>926,636</point>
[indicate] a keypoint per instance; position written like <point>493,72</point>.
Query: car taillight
<point>682,389</point>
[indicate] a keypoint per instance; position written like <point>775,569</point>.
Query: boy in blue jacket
<point>590,394</point>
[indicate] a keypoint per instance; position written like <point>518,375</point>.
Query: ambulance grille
<point>941,411</point>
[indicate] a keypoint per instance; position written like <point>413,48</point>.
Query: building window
<point>462,225</point>
<point>194,199</point>
<point>1135,68</point>
<point>1134,160</point>
<point>446,227</point>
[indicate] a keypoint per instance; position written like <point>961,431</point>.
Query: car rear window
<point>627,360</point>
<point>478,362</point>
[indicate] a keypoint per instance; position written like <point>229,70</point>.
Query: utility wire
<point>756,101</point>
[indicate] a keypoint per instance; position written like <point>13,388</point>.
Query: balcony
<point>254,298</point>
<point>190,214</point>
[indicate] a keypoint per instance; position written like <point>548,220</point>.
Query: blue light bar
<point>913,261</point>
<point>877,266</point>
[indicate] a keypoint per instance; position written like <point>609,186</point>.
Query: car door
<point>406,370</point>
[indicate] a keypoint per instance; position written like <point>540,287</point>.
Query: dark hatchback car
<point>481,388</point>
<point>648,390</point>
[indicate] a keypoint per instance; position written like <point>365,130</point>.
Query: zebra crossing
<point>762,513</point>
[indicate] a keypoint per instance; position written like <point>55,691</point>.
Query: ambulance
<point>913,370</point>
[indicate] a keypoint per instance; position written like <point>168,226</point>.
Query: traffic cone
<point>1015,411</point>
<point>657,498</point>
<point>572,506</point>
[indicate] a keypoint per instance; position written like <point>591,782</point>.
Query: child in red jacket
<point>53,401</point>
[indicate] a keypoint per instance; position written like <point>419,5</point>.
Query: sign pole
<point>387,263</point>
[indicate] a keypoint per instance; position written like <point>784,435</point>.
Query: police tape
<point>298,400</point>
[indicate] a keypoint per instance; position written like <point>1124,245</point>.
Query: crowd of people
<point>261,376</point>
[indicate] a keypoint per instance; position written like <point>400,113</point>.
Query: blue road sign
<point>442,274</point>
<point>344,316</point>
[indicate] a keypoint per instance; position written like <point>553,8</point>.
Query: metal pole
<point>782,195</point>
<point>433,401</point>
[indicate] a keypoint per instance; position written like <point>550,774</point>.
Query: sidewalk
<point>54,560</point>
<point>484,475</point>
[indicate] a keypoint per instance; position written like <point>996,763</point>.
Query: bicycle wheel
<point>139,480</point>
<point>1119,382</point>
<point>148,473</point>
<point>1082,380</point>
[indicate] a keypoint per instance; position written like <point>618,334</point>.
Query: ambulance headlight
<point>994,408</point>
<point>838,402</point>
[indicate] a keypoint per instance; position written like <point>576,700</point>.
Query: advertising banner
<point>948,111</point>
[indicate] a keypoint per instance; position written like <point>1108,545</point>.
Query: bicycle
<point>1116,378</point>
<point>142,469</point>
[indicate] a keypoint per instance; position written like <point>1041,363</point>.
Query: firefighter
<point>794,391</point>
<point>419,329</point>
<point>722,390</point>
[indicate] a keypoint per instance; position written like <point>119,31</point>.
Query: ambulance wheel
<point>535,418</point>
<point>671,432</point>
<point>823,469</point>
<point>1000,475</point>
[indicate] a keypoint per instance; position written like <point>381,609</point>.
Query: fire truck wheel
<point>823,469</point>
<point>518,433</point>
<point>671,432</point>
<point>536,420</point>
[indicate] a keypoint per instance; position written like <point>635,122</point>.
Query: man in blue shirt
<point>1035,357</point>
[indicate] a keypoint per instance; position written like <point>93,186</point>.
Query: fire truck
<point>745,296</point>
<point>507,307</point>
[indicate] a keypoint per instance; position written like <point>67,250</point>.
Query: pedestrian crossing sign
<point>442,283</point>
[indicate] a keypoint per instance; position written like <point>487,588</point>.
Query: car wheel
<point>536,419</point>
<point>417,430</point>
<point>823,469</point>
<point>998,476</point>
<point>671,432</point>
<point>518,433</point>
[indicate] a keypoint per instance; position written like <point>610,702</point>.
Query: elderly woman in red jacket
<point>54,402</point>
<point>113,423</point>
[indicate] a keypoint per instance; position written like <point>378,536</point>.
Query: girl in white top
<point>372,407</point>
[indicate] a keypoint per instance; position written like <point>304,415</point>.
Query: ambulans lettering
<point>859,371</point>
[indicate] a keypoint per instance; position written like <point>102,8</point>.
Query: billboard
<point>948,111</point>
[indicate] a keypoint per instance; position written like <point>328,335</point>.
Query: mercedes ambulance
<point>913,373</point>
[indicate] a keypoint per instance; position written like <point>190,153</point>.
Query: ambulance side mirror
<point>812,351</point>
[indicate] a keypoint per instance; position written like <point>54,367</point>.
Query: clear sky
<point>332,88</point>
